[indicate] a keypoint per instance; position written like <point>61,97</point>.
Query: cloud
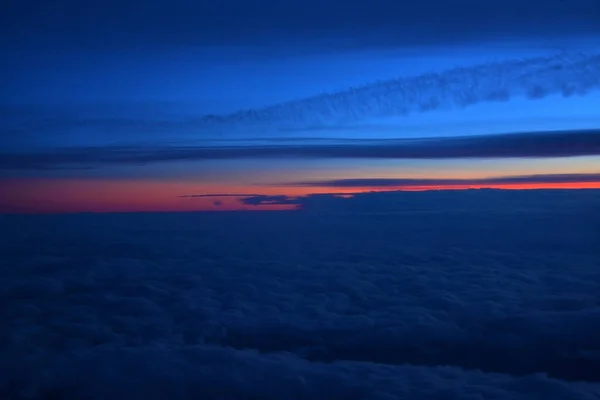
<point>518,179</point>
<point>434,201</point>
<point>257,200</point>
<point>535,78</point>
<point>261,199</point>
<point>561,74</point>
<point>514,145</point>
<point>216,195</point>
<point>481,301</point>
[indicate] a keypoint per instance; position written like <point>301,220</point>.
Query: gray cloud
<point>535,78</point>
<point>519,179</point>
<point>441,201</point>
<point>520,145</point>
<point>257,200</point>
<point>217,195</point>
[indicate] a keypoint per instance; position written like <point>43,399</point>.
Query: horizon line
<point>275,207</point>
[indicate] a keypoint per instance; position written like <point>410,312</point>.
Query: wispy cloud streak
<point>193,196</point>
<point>519,145</point>
<point>502,180</point>
<point>563,74</point>
<point>535,78</point>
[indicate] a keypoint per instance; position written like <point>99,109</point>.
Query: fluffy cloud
<point>496,301</point>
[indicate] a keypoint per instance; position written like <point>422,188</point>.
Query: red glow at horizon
<point>73,196</point>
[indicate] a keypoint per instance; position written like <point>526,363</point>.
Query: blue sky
<point>163,77</point>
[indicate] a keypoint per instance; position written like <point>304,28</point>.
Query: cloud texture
<point>495,301</point>
<point>506,180</point>
<point>563,74</point>
<point>560,74</point>
<point>516,145</point>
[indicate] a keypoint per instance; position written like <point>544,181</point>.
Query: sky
<point>192,105</point>
<point>388,125</point>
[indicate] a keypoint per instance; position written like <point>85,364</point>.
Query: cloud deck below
<point>495,302</point>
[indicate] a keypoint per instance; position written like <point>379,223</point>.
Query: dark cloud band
<point>503,180</point>
<point>535,78</point>
<point>434,200</point>
<point>519,145</point>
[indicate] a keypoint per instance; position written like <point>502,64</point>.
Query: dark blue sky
<point>156,24</point>
<point>104,45</point>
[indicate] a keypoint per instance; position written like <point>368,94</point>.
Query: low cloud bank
<point>460,303</point>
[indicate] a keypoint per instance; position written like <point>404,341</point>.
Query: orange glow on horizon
<point>72,196</point>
